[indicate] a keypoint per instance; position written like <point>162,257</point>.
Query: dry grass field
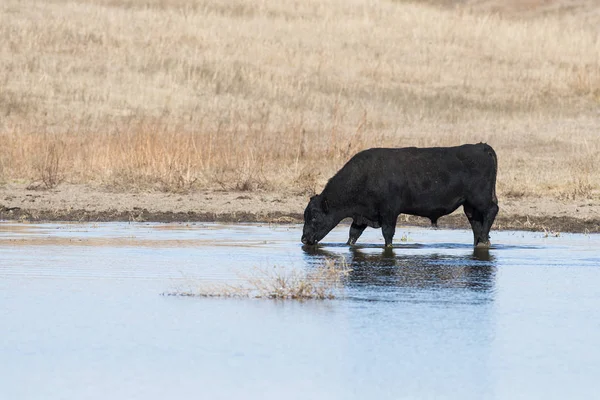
<point>180,95</point>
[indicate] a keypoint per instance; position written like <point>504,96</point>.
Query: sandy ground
<point>84,203</point>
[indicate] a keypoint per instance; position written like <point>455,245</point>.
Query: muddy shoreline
<point>78,203</point>
<point>512,222</point>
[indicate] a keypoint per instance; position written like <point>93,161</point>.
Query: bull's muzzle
<point>307,241</point>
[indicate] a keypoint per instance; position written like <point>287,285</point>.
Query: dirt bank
<point>85,204</point>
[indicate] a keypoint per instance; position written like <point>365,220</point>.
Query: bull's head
<point>318,220</point>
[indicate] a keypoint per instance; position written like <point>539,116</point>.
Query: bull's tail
<point>490,151</point>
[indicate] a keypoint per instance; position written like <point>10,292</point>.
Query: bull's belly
<point>369,220</point>
<point>433,211</point>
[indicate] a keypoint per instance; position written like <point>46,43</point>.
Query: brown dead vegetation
<point>177,95</point>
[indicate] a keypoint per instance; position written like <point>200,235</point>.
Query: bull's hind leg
<point>355,231</point>
<point>388,228</point>
<point>476,220</point>
<point>488,219</point>
<point>481,223</point>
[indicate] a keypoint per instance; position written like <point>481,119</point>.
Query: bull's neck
<point>337,202</point>
<point>339,211</point>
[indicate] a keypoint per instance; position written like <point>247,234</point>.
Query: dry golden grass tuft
<point>178,95</point>
<point>322,282</point>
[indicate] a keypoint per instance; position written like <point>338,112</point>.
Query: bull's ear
<point>325,206</point>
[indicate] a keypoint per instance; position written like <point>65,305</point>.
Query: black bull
<point>377,185</point>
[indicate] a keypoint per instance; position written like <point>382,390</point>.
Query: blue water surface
<point>83,315</point>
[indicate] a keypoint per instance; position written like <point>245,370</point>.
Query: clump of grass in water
<point>322,282</point>
<point>550,233</point>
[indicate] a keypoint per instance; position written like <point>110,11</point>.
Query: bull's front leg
<point>355,231</point>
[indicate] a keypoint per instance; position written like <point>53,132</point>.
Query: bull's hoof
<point>388,252</point>
<point>351,242</point>
<point>483,245</point>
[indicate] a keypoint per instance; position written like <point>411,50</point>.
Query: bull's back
<point>415,179</point>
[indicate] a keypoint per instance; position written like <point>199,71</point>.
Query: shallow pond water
<point>83,316</point>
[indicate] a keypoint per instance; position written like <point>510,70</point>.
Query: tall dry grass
<point>179,95</point>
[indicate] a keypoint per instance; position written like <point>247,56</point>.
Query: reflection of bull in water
<point>475,271</point>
